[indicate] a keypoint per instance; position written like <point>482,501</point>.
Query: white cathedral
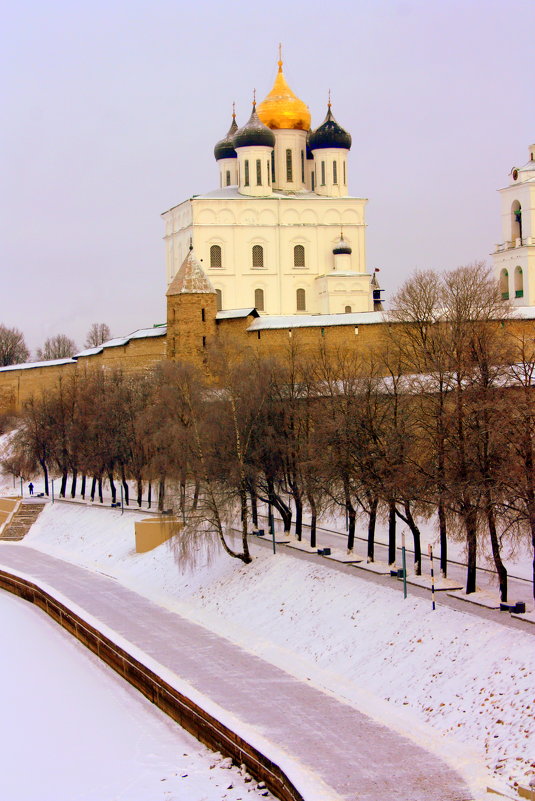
<point>281,234</point>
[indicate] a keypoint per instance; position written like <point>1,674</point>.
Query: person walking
<point>30,487</point>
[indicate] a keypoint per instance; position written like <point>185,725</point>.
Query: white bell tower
<point>514,257</point>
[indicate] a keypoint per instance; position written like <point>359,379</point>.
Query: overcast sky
<point>110,111</point>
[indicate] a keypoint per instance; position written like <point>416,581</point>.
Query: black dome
<point>329,134</point>
<point>254,133</point>
<point>224,148</point>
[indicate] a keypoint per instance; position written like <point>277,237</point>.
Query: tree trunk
<point>161,494</point>
<point>196,492</point>
<point>417,539</point>
<point>63,488</point>
<point>139,491</point>
<point>113,489</point>
<point>443,538</point>
<point>282,508</point>
<point>126,488</point>
<point>374,503</point>
<point>500,567</point>
<point>149,495</point>
<point>313,518</point>
<point>82,488</point>
<point>296,495</point>
<point>470,522</point>
<point>93,487</point>
<point>73,483</point>
<point>391,532</point>
<point>44,468</point>
<point>351,517</point>
<point>100,496</point>
<point>254,506</point>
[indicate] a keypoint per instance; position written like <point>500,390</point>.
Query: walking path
<point>350,755</point>
<point>22,521</point>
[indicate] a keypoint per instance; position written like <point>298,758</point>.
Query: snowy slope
<point>467,680</point>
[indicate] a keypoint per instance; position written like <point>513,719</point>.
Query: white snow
<point>463,680</point>
<point>73,732</point>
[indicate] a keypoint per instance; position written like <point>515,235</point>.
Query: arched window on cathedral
<point>504,284</point>
<point>218,299</point>
<point>299,256</point>
<point>519,283</point>
<point>228,177</point>
<point>335,172</point>
<point>323,173</point>
<point>258,172</point>
<point>301,300</point>
<point>215,256</point>
<point>268,173</point>
<point>272,166</point>
<point>246,173</point>
<point>516,221</point>
<point>258,256</point>
<point>344,166</point>
<point>259,299</point>
<point>303,166</point>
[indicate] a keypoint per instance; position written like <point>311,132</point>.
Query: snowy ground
<point>457,676</point>
<point>71,731</point>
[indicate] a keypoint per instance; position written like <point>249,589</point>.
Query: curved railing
<point>185,712</point>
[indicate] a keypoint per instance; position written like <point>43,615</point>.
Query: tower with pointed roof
<point>267,237</point>
<point>191,312</point>
<point>514,257</point>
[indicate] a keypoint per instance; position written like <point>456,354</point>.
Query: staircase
<point>22,521</point>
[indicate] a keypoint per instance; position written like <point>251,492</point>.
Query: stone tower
<point>191,313</point>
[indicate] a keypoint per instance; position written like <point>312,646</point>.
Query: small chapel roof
<point>190,279</point>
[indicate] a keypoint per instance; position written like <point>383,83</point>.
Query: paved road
<point>355,756</point>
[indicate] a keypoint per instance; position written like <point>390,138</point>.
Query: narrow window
<point>202,315</point>
<point>228,177</point>
<point>215,256</point>
<point>313,181</point>
<point>504,284</point>
<point>519,283</point>
<point>204,342</point>
<point>303,166</point>
<point>289,169</point>
<point>335,172</point>
<point>272,166</point>
<point>258,256</point>
<point>218,300</point>
<point>268,174</point>
<point>258,334</point>
<point>259,299</point>
<point>301,304</point>
<point>344,166</point>
<point>299,256</point>
<point>246,182</point>
<point>322,173</point>
<point>348,310</point>
<point>258,172</point>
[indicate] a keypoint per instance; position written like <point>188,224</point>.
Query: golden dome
<point>282,109</point>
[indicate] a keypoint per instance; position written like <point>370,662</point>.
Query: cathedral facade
<point>281,233</point>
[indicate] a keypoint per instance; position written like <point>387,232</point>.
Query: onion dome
<point>342,246</point>
<point>282,109</point>
<point>254,133</point>
<point>224,148</point>
<point>329,134</point>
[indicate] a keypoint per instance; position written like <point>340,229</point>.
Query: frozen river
<point>73,731</point>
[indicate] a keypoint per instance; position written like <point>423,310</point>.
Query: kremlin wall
<point>276,255</point>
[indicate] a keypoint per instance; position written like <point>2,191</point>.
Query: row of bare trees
<point>436,421</point>
<point>13,348</point>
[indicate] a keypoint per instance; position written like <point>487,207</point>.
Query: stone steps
<point>22,521</point>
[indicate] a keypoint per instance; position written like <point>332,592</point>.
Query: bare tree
<point>97,334</point>
<point>59,347</point>
<point>13,349</point>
